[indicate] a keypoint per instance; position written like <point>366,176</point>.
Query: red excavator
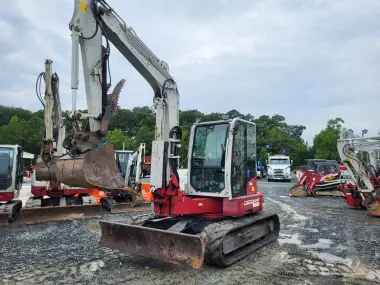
<point>320,177</point>
<point>218,217</point>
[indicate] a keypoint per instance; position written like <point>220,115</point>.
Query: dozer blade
<point>374,209</point>
<point>169,246</point>
<point>118,208</point>
<point>36,215</point>
<point>298,191</point>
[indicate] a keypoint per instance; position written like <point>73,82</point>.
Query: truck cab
<point>279,168</point>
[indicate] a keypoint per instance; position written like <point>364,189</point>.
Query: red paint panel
<point>251,188</point>
<point>7,196</point>
<point>186,205</point>
<point>243,205</point>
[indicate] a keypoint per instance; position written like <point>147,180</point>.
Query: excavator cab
<point>11,168</point>
<point>222,158</point>
<point>11,177</point>
<point>122,157</point>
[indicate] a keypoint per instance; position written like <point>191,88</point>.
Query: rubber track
<point>216,232</point>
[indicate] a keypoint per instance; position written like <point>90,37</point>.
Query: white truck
<point>279,168</point>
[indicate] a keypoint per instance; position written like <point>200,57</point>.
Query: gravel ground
<point>321,242</point>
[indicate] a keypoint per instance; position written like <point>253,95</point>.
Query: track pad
<point>169,246</point>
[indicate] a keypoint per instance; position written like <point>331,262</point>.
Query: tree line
<point>134,126</point>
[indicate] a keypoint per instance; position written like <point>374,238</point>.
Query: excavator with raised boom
<point>362,189</point>
<point>218,217</point>
<point>63,202</point>
<point>11,177</point>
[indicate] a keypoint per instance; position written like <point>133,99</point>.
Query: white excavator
<point>360,155</point>
<point>52,200</point>
<point>218,217</point>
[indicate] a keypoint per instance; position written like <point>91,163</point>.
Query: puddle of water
<point>312,230</point>
<point>321,244</point>
<point>288,209</point>
<point>95,265</point>
<point>357,268</point>
<point>373,221</point>
<point>289,239</point>
<point>90,267</point>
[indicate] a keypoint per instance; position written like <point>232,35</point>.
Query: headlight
<point>287,169</point>
<point>270,170</point>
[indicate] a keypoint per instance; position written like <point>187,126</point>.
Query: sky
<point>308,60</point>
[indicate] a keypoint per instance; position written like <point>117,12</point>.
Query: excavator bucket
<point>36,215</point>
<point>298,191</point>
<point>169,246</point>
<point>96,169</point>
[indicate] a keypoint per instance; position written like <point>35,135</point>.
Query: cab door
<point>243,162</point>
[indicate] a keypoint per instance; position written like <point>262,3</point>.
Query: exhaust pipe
<point>94,169</point>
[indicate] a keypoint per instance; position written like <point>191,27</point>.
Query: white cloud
<point>309,60</point>
<point>6,31</point>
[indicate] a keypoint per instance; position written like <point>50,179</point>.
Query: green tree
<point>145,135</point>
<point>325,143</point>
<point>117,138</point>
<point>282,137</point>
<point>27,133</point>
<point>6,113</point>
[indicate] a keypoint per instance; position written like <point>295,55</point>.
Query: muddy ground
<point>321,242</point>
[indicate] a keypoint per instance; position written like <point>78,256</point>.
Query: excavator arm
<point>92,20</point>
<point>54,126</point>
<point>55,130</point>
